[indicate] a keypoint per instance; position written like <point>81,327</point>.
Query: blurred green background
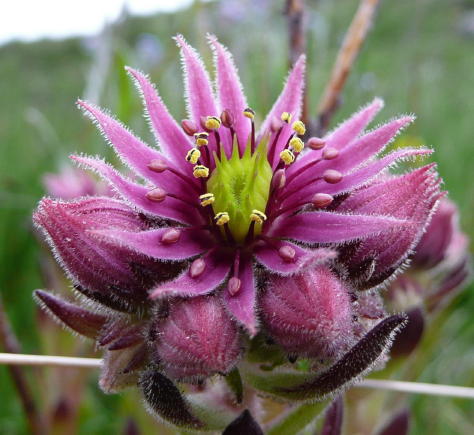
<point>419,57</point>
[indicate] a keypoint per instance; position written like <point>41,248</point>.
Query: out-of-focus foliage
<point>419,58</point>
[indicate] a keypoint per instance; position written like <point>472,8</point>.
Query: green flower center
<point>241,186</point>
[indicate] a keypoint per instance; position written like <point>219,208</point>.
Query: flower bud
<point>434,244</point>
<point>309,314</point>
<point>376,258</point>
<point>92,262</point>
<point>410,336</point>
<point>197,340</point>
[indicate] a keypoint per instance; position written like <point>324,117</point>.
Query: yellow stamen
<point>201,171</point>
<point>249,113</point>
<point>193,156</point>
<point>207,199</point>
<point>201,138</point>
<point>286,117</point>
<point>258,217</point>
<point>299,127</point>
<point>212,123</point>
<point>287,156</point>
<point>221,218</point>
<point>296,144</point>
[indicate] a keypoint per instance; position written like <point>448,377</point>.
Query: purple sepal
<point>121,369</point>
<point>408,338</point>
<point>165,400</point>
<point>333,419</point>
<point>399,424</point>
<point>356,362</point>
<point>82,321</point>
<point>243,424</point>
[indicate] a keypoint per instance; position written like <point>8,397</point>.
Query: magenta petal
<point>242,304</point>
<point>352,180</point>
<point>291,97</point>
<point>153,243</point>
<point>343,134</point>
<point>198,85</point>
<point>135,194</point>
<point>358,152</point>
<point>367,173</point>
<point>229,92</point>
<point>169,135</point>
<point>346,132</point>
<point>367,146</point>
<point>327,227</point>
<point>215,272</point>
<point>290,100</point>
<point>133,151</point>
<point>284,264</point>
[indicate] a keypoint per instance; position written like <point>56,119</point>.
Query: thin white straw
<point>47,360</point>
<point>418,388</point>
<point>404,387</point>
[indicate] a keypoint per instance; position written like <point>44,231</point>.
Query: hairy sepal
<point>243,424</point>
<point>298,386</point>
<point>166,402</point>
<point>82,321</point>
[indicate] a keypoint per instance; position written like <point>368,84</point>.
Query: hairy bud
<point>309,314</point>
<point>197,340</point>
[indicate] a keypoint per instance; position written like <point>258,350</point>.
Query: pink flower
<point>230,222</point>
<point>250,198</point>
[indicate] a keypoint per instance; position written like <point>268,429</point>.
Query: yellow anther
<point>201,138</point>
<point>221,218</point>
<point>258,217</point>
<point>201,171</point>
<point>299,127</point>
<point>296,144</point>
<point>193,156</point>
<point>287,156</point>
<point>212,123</point>
<point>207,199</point>
<point>249,113</point>
<point>286,117</point>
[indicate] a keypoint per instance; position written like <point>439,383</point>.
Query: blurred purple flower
<point>440,267</point>
<point>72,183</point>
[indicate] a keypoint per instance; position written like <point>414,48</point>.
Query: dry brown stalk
<point>346,57</point>
<point>296,17</point>
<point>10,344</point>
